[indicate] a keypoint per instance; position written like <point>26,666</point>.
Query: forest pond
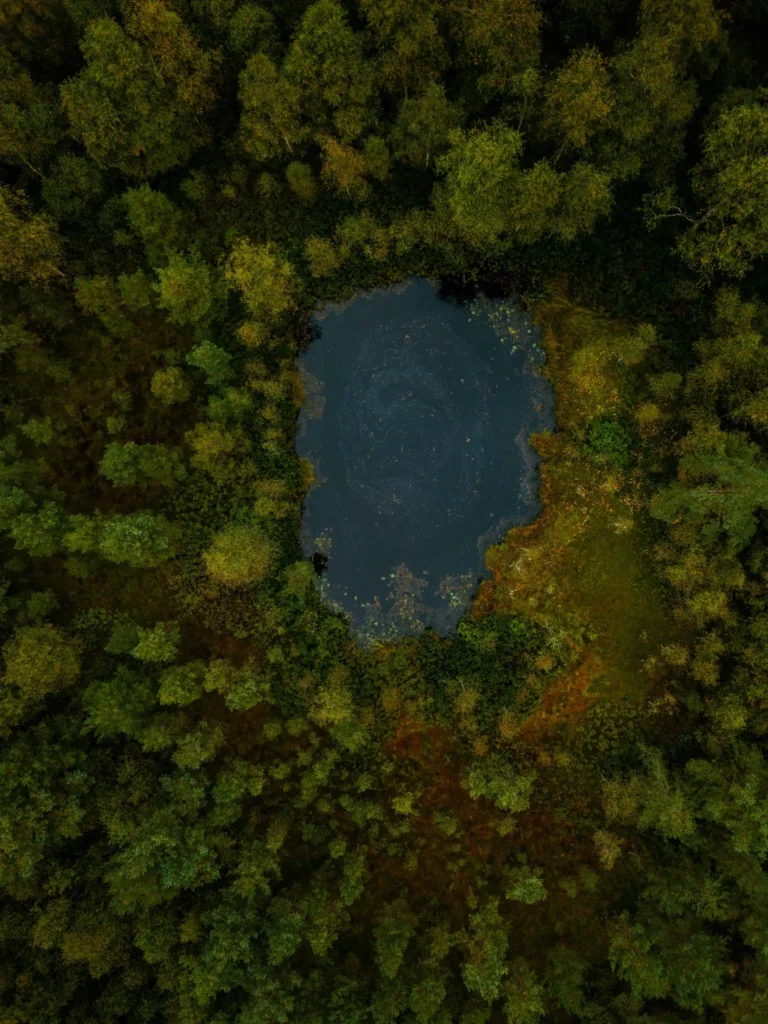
<point>416,421</point>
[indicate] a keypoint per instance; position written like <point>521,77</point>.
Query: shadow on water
<point>456,290</point>
<point>419,402</point>
<point>319,563</point>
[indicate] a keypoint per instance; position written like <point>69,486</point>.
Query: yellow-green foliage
<point>239,555</point>
<point>215,808</point>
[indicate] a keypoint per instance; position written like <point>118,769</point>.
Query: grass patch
<point>583,570</point>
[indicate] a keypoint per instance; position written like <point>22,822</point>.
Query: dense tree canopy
<point>217,808</point>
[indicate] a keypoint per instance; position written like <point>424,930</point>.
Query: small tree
<point>127,464</point>
<point>186,289</point>
<point>240,555</point>
<point>158,644</point>
<point>393,932</point>
<point>500,37</point>
<point>523,995</point>
<point>325,62</point>
<point>301,180</point>
<point>485,965</point>
<point>213,360</point>
<point>321,255</point>
<point>265,279</point>
<point>497,780</point>
<point>30,248</point>
<point>139,540</point>
<point>29,119</point>
<point>170,386</point>
<point>182,684</point>
<point>40,660</point>
<point>578,99</point>
<point>344,168</point>
<point>482,174</point>
<point>270,125</point>
<point>424,124</point>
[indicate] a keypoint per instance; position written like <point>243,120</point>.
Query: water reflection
<point>416,419</point>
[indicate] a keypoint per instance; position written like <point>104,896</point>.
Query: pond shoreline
<point>406,414</point>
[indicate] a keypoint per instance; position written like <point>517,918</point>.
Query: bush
<point>610,442</point>
<point>239,555</point>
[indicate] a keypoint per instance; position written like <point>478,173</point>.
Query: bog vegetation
<point>215,808</point>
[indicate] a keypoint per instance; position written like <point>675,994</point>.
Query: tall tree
<point>140,102</point>
<point>730,229</point>
<point>500,37</point>
<point>270,124</point>
<point>325,62</point>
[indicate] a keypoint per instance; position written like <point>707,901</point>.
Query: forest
<point>215,806</point>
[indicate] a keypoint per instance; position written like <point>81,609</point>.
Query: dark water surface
<point>416,421</point>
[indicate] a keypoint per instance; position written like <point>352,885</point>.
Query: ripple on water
<point>416,420</point>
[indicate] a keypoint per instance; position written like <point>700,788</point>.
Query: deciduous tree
<point>240,555</point>
<point>139,103</point>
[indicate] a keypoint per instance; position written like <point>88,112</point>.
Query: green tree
<point>140,539</point>
<point>354,876</point>
<point>29,118</point>
<point>322,256</point>
<point>270,124</point>
<point>653,800</point>
<point>410,45</point>
<point>424,125</point>
<point>157,221</point>
<point>213,360</point>
<point>214,449</point>
<point>265,279</point>
<point>344,168</point>
<point>585,195</point>
<point>250,29</point>
<point>497,780</point>
<point>72,187</point>
<point>578,99</point>
<point>525,886</point>
<point>158,644</point>
<point>731,375</point>
<point>40,532</point>
<point>608,847</point>
<point>609,442</point>
<point>730,183</point>
<point>170,386</point>
<point>30,247</point>
<point>240,555</point>
<point>126,464</point>
<point>301,180</point>
<point>181,684</point>
<point>377,157</point>
<point>393,932</point>
<point>655,96</point>
<point>40,660</point>
<point>482,171</point>
<point>722,485</point>
<point>186,289</point>
<point>35,28</point>
<point>325,63</point>
<point>661,959</point>
<point>501,37</point>
<point>101,297</point>
<point>285,929</point>
<point>485,965</point>
<point>334,703</point>
<point>488,195</point>
<point>523,995</point>
<point>138,105</point>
